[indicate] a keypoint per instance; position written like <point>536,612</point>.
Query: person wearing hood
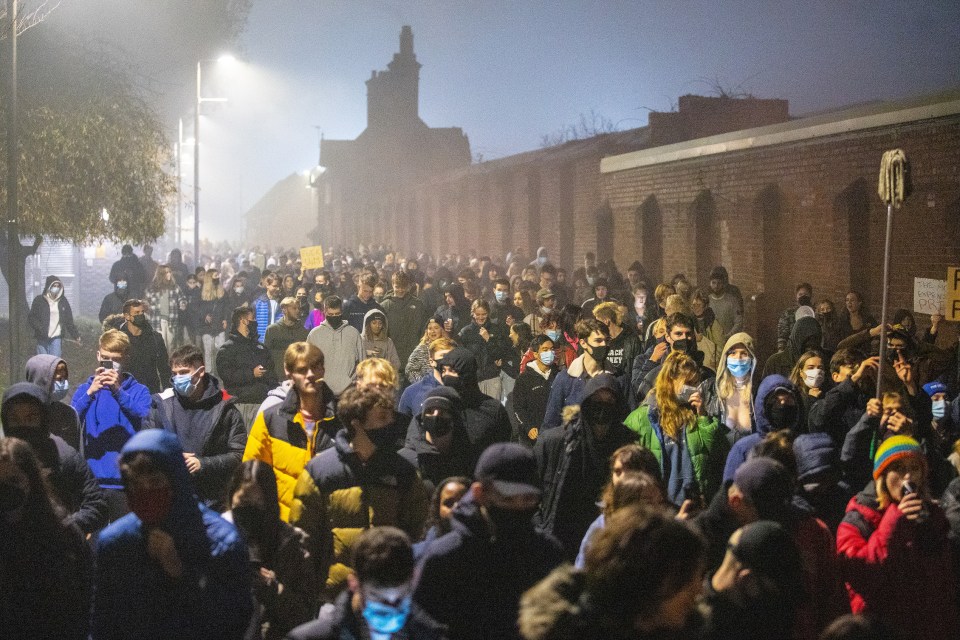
<point>690,446</point>
<point>486,420</point>
<point>443,448</point>
<point>45,563</point>
<point>286,587</point>
<point>209,425</point>
<point>51,318</point>
<point>111,405</point>
<point>341,344</point>
<point>490,345</point>
<point>172,568</point>
<point>147,359</point>
<point>284,332</point>
<point>820,477</point>
<point>51,374</point>
<point>376,338</point>
<point>377,603</point>
<point>541,258</point>
<point>129,268</point>
<point>25,415</point>
<point>805,335</point>
<point>471,579</point>
<point>776,407</point>
<point>112,303</point>
<point>573,461</point>
<point>289,433</point>
<point>454,313</point>
<point>359,483</point>
<point>357,306</point>
<point>732,400</point>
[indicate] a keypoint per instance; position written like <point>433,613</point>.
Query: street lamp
<point>225,59</point>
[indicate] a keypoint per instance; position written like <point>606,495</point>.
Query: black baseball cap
<point>510,468</point>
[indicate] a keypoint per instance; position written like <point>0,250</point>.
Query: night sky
<point>510,72</point>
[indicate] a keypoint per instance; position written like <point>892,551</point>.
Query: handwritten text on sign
<point>952,306</point>
<point>928,295</point>
<point>312,257</point>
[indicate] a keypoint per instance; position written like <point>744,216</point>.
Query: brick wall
<point>801,211</point>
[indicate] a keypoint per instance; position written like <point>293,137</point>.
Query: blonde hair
<point>674,416</point>
<point>441,344</point>
<point>608,311</point>
<point>209,291</point>
<point>301,353</point>
<point>662,291</point>
<point>377,371</point>
<point>115,341</point>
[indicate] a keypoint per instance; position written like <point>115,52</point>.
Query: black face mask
<point>140,321</point>
<point>12,497</point>
<point>804,301</point>
<point>509,523</point>
<point>454,382</point>
<point>335,321</point>
<point>599,354</point>
<point>437,426</point>
<point>253,328</point>
<point>383,438</point>
<point>599,414</point>
<point>783,416</point>
<point>683,345</point>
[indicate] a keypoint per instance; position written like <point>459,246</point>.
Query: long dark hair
<point>256,472</point>
<point>42,513</point>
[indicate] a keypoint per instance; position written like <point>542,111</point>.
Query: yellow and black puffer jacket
<point>279,438</point>
<point>338,497</point>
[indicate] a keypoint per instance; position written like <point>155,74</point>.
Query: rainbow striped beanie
<point>892,449</point>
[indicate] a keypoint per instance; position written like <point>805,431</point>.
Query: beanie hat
<point>935,387</point>
<point>892,449</point>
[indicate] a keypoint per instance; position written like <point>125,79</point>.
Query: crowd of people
<point>398,446</point>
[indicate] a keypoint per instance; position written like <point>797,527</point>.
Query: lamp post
<point>14,261</point>
<point>196,155</point>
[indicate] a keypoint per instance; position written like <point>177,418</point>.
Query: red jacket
<point>898,570</point>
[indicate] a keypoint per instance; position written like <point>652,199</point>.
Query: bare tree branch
<point>28,16</point>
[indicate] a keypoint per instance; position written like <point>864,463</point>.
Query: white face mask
<point>813,378</point>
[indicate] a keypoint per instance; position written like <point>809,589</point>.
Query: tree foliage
<point>89,142</point>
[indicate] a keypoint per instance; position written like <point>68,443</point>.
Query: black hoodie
<point>433,465</point>
<point>68,473</point>
<point>574,466</point>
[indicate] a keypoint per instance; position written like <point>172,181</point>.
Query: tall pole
<point>14,266</point>
<point>196,174</point>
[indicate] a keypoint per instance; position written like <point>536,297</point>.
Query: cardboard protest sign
<point>312,257</point>
<point>928,295</point>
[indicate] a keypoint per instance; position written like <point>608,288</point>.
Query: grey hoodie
<point>342,349</point>
<point>382,347</point>
<point>62,418</point>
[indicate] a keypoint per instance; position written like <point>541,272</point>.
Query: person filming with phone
<point>112,405</point>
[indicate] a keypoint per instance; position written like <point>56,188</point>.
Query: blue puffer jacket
<point>109,420</point>
<point>741,448</point>
<point>135,598</point>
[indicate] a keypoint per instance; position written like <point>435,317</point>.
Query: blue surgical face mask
<point>60,388</point>
<point>385,619</point>
<point>501,296</point>
<point>553,334</point>
<point>547,357</point>
<point>939,408</point>
<point>739,368</point>
<point>183,384</point>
